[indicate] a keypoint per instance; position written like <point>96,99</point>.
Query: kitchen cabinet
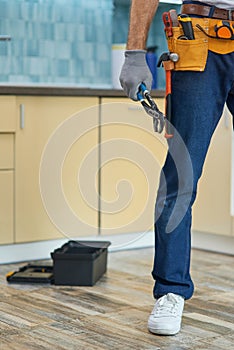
<point>43,121</point>
<point>6,151</point>
<point>110,161</point>
<point>7,129</point>
<point>6,206</point>
<point>8,114</point>
<point>131,157</point>
<point>6,187</point>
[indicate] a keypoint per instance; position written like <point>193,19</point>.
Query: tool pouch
<point>220,46</point>
<point>193,53</point>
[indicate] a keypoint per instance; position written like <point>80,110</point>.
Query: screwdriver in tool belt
<point>174,18</point>
<point>186,24</point>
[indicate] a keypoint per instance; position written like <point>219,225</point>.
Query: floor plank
<point>113,314</point>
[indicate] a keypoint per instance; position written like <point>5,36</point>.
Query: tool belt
<point>193,53</point>
<point>207,11</point>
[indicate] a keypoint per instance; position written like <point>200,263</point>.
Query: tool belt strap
<point>207,11</point>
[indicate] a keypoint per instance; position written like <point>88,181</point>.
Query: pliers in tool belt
<point>151,108</point>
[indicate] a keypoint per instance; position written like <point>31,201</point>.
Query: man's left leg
<point>195,119</point>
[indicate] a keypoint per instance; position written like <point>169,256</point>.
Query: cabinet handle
<point>21,116</point>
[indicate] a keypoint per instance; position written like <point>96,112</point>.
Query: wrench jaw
<point>159,123</point>
<point>158,117</point>
<point>152,110</point>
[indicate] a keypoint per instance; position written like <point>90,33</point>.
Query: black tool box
<point>76,263</point>
<point>80,263</point>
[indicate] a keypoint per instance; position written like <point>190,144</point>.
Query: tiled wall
<point>66,41</point>
<point>56,41</point>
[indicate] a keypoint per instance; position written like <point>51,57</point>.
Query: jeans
<point>198,99</point>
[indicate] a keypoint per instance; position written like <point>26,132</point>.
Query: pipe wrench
<point>151,108</point>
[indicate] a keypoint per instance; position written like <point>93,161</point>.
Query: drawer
<point>8,113</point>
<point>6,151</point>
<point>6,207</point>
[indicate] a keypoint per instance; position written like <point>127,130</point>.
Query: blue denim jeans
<point>198,99</point>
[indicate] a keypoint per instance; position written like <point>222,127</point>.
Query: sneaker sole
<point>164,331</point>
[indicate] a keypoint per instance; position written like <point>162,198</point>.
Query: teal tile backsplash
<point>56,42</point>
<point>66,41</point>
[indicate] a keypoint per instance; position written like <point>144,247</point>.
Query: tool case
<point>80,263</point>
<point>76,263</point>
<point>32,273</point>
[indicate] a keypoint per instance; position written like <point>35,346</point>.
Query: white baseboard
<point>213,242</point>
<point>41,250</point>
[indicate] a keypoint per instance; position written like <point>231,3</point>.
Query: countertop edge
<point>67,91</point>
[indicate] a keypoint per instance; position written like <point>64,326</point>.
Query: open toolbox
<point>76,263</point>
<point>32,273</point>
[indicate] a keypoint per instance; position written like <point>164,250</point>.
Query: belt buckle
<point>230,15</point>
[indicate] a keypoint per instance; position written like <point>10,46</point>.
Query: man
<point>198,98</point>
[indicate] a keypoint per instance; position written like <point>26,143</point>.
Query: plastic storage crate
<point>80,263</point>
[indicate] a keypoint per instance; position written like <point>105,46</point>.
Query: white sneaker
<point>166,316</point>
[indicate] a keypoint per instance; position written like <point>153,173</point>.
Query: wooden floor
<point>113,314</point>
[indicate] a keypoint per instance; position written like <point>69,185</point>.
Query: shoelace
<point>168,304</point>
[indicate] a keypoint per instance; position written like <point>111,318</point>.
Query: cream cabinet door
<point>7,129</point>
<point>212,209</point>
<point>55,138</point>
<point>6,151</point>
<point>131,158</point>
<point>8,113</point>
<point>6,206</point>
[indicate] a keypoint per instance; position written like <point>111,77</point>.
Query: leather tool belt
<point>207,11</point>
<point>193,53</point>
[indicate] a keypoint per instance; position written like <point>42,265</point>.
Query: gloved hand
<point>134,72</point>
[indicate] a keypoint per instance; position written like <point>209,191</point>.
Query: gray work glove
<point>134,72</point>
